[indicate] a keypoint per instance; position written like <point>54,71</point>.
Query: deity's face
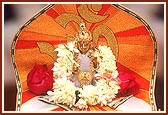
<point>84,45</point>
<point>84,39</point>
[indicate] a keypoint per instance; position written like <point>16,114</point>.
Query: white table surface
<point>131,105</point>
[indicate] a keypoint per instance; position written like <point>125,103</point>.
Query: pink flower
<point>108,77</point>
<point>128,85</point>
<point>40,79</point>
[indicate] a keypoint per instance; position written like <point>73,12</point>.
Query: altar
<point>85,57</point>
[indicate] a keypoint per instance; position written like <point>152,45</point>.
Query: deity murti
<point>84,58</point>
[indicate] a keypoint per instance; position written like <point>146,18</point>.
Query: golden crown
<point>83,34</point>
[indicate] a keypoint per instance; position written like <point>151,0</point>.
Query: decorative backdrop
<point>129,36</point>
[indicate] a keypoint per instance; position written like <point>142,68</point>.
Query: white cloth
<point>131,105</point>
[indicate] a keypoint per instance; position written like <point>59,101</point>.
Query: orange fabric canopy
<point>129,36</point>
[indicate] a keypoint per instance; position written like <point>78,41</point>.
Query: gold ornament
<point>85,78</point>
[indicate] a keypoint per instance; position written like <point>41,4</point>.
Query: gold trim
<point>109,35</point>
<point>90,16</point>
<point>48,49</point>
<point>65,18</point>
<point>96,7</point>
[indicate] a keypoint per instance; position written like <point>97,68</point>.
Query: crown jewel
<point>83,34</point>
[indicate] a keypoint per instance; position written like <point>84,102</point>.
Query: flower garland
<point>106,60</point>
<point>63,67</point>
<point>64,89</point>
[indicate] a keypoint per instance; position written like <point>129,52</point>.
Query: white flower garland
<point>65,61</point>
<point>64,90</point>
<point>106,60</point>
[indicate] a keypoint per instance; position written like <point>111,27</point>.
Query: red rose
<point>128,85</point>
<point>40,79</point>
